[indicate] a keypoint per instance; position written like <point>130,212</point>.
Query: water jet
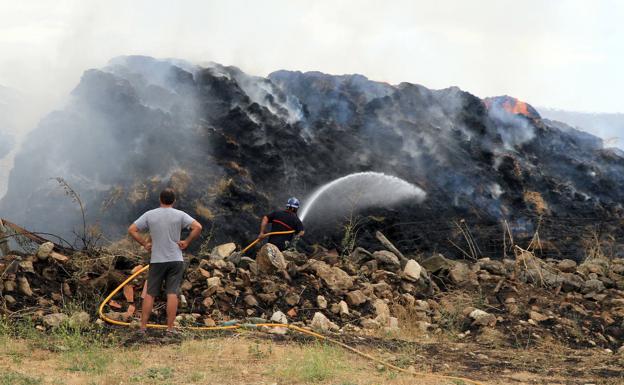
<point>361,190</point>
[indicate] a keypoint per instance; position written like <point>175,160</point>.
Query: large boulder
<point>270,259</point>
<point>597,265</point>
<point>44,250</point>
<point>492,266</point>
<point>567,266</point>
<point>24,286</point>
<point>321,302</point>
<point>223,251</point>
<point>593,286</point>
<point>336,279</point>
<point>382,311</point>
<point>461,274</point>
<point>412,270</point>
<point>387,257</point>
<point>571,282</point>
<point>279,317</point>
<point>436,263</point>
<point>482,318</point>
<point>55,319</point>
<point>356,298</point>
<point>322,323</point>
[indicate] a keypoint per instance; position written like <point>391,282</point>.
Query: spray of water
<point>361,190</point>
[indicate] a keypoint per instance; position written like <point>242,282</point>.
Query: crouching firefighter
<point>283,220</point>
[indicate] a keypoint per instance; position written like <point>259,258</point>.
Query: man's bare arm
<point>263,225</point>
<point>134,232</point>
<point>196,229</point>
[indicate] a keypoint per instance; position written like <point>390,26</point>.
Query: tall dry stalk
<point>89,236</point>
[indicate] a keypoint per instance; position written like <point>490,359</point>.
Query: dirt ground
<point>255,358</point>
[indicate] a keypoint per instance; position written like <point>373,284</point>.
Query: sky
<point>566,54</point>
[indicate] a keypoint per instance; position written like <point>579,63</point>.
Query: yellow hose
<point>272,325</point>
<point>267,234</point>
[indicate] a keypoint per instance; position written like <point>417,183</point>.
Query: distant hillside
<point>609,127</point>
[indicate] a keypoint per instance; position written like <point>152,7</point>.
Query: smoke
<point>139,123</point>
<point>264,92</point>
<point>133,125</point>
<point>17,117</point>
<point>514,129</point>
<point>120,125</point>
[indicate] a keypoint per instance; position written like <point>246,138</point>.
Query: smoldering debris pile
<point>518,300</point>
<point>224,140</point>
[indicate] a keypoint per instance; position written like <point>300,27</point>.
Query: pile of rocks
<point>39,286</point>
<point>520,298</point>
<point>324,290</point>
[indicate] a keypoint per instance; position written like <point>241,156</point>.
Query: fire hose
<point>237,325</point>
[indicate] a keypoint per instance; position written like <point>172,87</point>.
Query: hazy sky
<point>555,53</point>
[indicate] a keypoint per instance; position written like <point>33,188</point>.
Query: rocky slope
<point>235,146</point>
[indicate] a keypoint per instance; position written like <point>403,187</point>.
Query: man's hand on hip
<point>148,246</point>
<point>183,244</point>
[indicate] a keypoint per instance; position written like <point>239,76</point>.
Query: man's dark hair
<point>167,196</point>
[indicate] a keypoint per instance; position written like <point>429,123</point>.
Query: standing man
<point>166,263</point>
<point>283,220</point>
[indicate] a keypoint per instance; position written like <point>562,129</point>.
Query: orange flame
<point>510,105</point>
<point>515,106</point>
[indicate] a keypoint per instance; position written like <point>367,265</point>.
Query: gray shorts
<point>171,273</point>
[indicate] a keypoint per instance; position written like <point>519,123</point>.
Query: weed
<point>205,248</point>
<point>90,235</point>
<point>22,328</point>
<point>16,357</point>
<point>132,363</point>
<point>256,352</point>
<point>392,375</point>
<point>90,361</point>
<point>350,233</point>
<point>15,378</point>
<point>197,377</point>
<point>163,373</point>
<point>319,363</point>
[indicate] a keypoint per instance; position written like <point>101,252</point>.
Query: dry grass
<point>221,187</point>
<point>138,192</point>
<point>599,248</point>
<point>72,356</point>
<point>204,211</point>
<point>231,360</point>
<point>534,199</point>
<point>180,180</point>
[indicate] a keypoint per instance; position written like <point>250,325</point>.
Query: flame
<point>515,106</point>
<point>510,105</point>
